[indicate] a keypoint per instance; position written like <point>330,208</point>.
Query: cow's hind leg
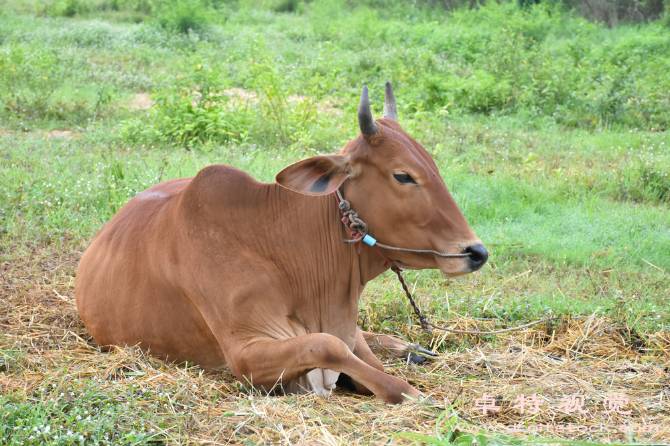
<point>266,363</point>
<point>393,346</point>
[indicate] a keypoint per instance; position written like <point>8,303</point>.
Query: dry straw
<point>594,357</point>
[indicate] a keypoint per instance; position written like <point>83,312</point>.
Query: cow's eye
<point>404,178</point>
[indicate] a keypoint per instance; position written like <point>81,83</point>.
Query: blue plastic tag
<point>369,240</point>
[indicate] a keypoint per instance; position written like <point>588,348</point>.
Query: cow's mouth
<point>448,272</point>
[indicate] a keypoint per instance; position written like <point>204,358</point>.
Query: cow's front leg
<point>384,344</point>
<point>363,352</point>
<point>265,363</point>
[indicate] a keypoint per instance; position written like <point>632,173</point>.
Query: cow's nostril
<point>478,255</point>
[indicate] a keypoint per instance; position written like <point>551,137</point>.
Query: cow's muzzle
<point>478,256</point>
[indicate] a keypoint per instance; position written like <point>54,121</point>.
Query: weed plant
<point>500,60</point>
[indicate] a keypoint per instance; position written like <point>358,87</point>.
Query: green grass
<point>551,133</point>
<point>548,200</point>
<point>77,413</point>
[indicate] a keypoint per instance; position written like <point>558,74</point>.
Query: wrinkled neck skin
<point>368,263</point>
<point>291,244</point>
<point>319,220</point>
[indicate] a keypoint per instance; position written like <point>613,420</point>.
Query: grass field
<point>550,131</point>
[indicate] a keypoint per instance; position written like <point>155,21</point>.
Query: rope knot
<point>351,219</point>
<point>424,324</point>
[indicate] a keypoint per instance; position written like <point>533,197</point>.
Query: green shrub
<point>47,84</point>
<point>480,91</point>
<point>536,62</point>
<point>193,109</point>
<point>184,15</point>
<point>28,78</point>
<point>147,7</point>
<point>613,12</point>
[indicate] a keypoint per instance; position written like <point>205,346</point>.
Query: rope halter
<point>359,231</point>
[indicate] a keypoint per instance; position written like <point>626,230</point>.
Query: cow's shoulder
<point>221,185</point>
<point>218,175</point>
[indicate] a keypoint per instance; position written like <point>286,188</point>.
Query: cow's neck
<point>325,270</point>
<point>368,263</point>
<point>365,266</point>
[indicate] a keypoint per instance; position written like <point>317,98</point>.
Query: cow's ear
<point>318,175</point>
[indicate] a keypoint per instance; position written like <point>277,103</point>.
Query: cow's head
<point>395,186</point>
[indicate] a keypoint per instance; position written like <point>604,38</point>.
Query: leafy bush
<point>28,78</point>
<point>39,84</point>
<point>501,59</point>
<point>193,109</point>
<point>184,15</point>
<point>613,12</point>
<point>536,62</point>
<point>177,15</point>
<point>199,105</point>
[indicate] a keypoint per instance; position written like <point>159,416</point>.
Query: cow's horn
<point>365,121</point>
<point>390,110</point>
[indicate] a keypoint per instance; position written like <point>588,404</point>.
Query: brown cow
<point>221,269</point>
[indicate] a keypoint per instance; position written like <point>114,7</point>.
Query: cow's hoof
<point>418,349</point>
<point>416,359</point>
<point>419,398</point>
<point>415,354</point>
<point>320,382</point>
